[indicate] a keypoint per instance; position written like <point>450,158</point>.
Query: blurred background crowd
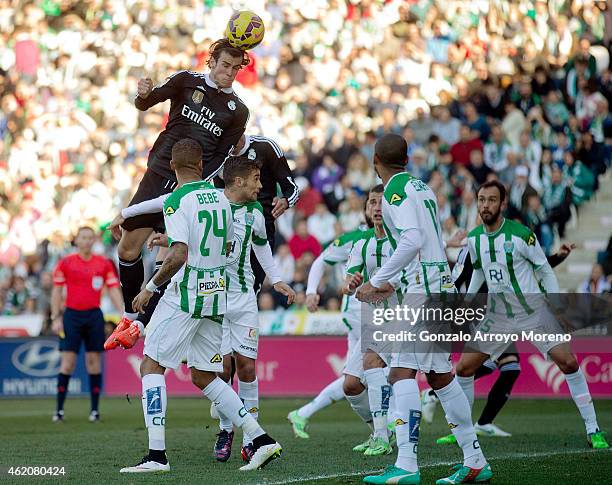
<point>518,90</point>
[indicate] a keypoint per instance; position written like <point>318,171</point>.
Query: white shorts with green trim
<point>173,334</point>
<point>241,324</point>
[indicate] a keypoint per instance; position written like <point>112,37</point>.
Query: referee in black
<point>275,175</point>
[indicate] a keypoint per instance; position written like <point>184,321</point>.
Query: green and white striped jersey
<point>508,259</point>
<point>249,227</point>
<point>339,252</point>
<point>368,256</point>
<point>409,203</point>
<point>199,216</point>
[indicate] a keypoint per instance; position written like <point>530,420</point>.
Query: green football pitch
<point>548,444</point>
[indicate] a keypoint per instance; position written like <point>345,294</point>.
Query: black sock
<point>485,369</point>
<point>500,392</point>
<point>262,440</point>
<point>159,456</point>
<point>95,387</point>
<point>145,317</point>
<point>131,275</point>
<point>62,390</point>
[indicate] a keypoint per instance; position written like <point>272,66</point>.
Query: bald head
<point>391,151</point>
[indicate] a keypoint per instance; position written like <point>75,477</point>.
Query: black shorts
<point>151,186</point>
<point>83,326</point>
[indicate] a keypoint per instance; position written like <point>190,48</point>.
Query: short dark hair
<point>392,150</point>
<point>223,45</point>
<point>186,153</point>
<point>238,167</point>
<point>494,183</point>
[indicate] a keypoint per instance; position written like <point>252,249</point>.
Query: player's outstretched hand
<point>565,249</point>
<point>145,86</point>
<point>312,302</point>
<point>284,289</point>
<point>279,206</point>
<point>158,239</point>
<point>456,241</point>
<point>115,226</point>
<point>369,294</point>
<point>352,282</point>
<point>141,300</point>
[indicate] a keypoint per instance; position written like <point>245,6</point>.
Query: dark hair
<point>377,189</point>
<point>223,45</point>
<point>186,153</point>
<point>238,167</point>
<point>392,150</point>
<point>494,183</point>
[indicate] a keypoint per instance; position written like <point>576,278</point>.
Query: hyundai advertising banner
<point>29,367</point>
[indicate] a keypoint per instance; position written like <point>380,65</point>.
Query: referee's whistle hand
<point>141,300</point>
<point>57,326</point>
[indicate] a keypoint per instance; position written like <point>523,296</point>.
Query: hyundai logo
<point>37,358</point>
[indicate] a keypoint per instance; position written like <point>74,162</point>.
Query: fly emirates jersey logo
<point>204,119</point>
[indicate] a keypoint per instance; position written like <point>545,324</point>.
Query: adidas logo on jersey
<point>202,120</point>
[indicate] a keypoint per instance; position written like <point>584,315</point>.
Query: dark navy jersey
<point>214,117</point>
<point>274,170</point>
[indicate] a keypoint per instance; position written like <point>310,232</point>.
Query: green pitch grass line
<point>506,456</point>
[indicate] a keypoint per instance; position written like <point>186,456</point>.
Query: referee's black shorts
<point>151,186</point>
<point>83,326</point>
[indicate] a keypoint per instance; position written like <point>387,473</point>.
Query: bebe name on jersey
<point>203,119</point>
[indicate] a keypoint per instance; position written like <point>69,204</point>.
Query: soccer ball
<point>245,30</point>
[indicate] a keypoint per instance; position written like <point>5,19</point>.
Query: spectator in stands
<point>468,141</point>
<point>596,283</point>
<point>520,191</point>
<point>579,178</point>
<point>557,199</point>
<point>321,224</point>
<point>302,242</point>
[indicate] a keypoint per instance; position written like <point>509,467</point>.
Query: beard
<point>368,220</point>
<point>490,217</point>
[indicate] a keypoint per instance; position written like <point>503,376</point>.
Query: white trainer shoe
<point>428,405</point>
<point>490,430</point>
<point>264,455</point>
<point>147,465</point>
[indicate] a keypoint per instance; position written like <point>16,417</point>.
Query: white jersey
<point>199,216</point>
<point>409,203</point>
<point>508,259</point>
<point>249,227</point>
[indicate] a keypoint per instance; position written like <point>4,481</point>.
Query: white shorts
<point>172,334</point>
<point>241,325</point>
<point>542,322</point>
<point>354,358</point>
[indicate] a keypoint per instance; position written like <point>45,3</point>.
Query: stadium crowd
<point>519,90</point>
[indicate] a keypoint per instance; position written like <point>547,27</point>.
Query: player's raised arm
<point>149,95</point>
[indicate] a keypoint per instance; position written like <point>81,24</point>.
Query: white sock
<point>459,417</point>
<point>408,415</point>
<point>330,394</point>
<point>467,384</point>
<point>154,403</point>
<point>579,390</point>
<point>361,406</point>
<point>229,404</point>
<point>391,417</point>
<point>379,393</point>
<point>130,316</point>
<point>248,392</point>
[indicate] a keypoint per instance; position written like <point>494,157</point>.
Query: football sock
<point>62,390</point>
<point>459,416</point>
<point>500,392</point>
<point>95,386</point>
<point>145,317</point>
<point>379,393</point>
<point>361,406</point>
<point>154,403</point>
<point>579,390</point>
<point>485,369</point>
<point>229,405</point>
<point>131,275</point>
<point>248,392</point>
<point>407,424</point>
<point>392,407</point>
<point>330,394</point>
<point>467,384</point>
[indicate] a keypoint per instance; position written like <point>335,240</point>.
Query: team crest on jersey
<point>395,198</point>
<point>252,155</point>
<point>231,105</point>
<point>197,97</point>
<point>250,219</point>
<point>508,246</point>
